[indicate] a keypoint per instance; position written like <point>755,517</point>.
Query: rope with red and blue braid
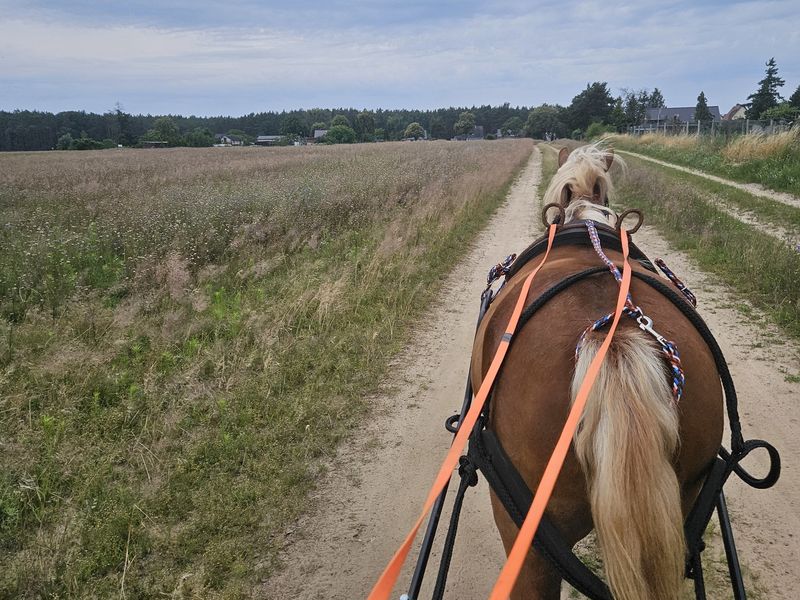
<point>668,348</point>
<point>500,270</point>
<point>677,282</point>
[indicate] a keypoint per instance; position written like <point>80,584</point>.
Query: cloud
<point>376,54</point>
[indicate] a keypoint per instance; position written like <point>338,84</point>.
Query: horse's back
<point>531,399</point>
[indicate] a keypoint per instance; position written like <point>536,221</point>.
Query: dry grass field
<point>186,334</point>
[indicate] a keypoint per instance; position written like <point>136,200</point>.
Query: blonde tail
<point>625,443</point>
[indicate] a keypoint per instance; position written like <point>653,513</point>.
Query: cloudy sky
<point>239,56</point>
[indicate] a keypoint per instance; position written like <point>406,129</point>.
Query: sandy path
<point>752,188</point>
<point>377,485</point>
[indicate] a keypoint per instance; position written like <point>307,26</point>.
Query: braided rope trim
<point>668,348</point>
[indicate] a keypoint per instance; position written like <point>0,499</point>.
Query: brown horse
<point>638,460</point>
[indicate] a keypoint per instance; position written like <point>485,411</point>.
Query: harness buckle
<point>646,324</point>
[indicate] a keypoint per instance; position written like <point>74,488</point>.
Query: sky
<point>235,57</point>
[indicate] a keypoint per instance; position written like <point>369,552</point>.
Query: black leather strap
<point>575,235</point>
<point>506,482</point>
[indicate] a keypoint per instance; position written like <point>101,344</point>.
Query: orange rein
<point>508,576</point>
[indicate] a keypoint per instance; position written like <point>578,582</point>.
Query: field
<point>770,160</point>
<point>187,334</point>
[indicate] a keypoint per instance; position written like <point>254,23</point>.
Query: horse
<point>638,458</point>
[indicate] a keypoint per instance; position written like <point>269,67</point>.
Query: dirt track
<point>377,484</point>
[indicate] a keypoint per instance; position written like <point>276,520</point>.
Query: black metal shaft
<point>699,582</point>
<point>730,548</point>
<point>436,511</point>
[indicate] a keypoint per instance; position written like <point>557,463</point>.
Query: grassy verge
<point>762,269</point>
<point>549,168</point>
<point>765,210</point>
<point>187,333</point>
<point>772,161</point>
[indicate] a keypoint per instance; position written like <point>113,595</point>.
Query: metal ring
<point>630,211</point>
<point>561,214</point>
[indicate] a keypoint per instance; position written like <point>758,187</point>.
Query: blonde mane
<point>585,168</point>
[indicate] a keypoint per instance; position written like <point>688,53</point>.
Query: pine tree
<point>656,99</point>
<point>701,112</point>
<point>767,95</point>
<point>794,99</point>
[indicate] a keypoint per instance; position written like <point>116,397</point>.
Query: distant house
<point>475,134</point>
<point>319,134</point>
<point>737,112</point>
<point>680,114</point>
<point>268,140</point>
<point>153,144</point>
<point>228,140</point>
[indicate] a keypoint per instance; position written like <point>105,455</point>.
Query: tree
<point>64,142</point>
<point>544,120</point>
<point>656,99</point>
<point>617,116</point>
<point>783,112</point>
<point>592,104</point>
<point>365,125</point>
<point>635,105</point>
<point>164,130</point>
<point>701,112</point>
<point>123,119</point>
<point>598,130</point>
<point>340,134</point>
<point>438,128</point>
<point>293,126</point>
<point>465,124</point>
<point>414,130</point>
<point>340,120</point>
<point>200,137</point>
<point>318,125</point>
<point>794,99</point>
<point>767,95</point>
<point>512,126</point>
<point>380,134</point>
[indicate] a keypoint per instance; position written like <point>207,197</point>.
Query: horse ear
<point>609,158</point>
<point>562,157</point>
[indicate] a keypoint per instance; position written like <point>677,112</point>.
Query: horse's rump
<point>532,395</point>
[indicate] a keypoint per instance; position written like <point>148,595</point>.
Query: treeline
<point>595,111</point>
<point>591,112</point>
<point>35,130</point>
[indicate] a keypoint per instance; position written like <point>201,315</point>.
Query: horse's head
<point>582,185</point>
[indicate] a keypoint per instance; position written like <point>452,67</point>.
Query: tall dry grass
<point>680,142</point>
<point>755,146</point>
<point>187,334</point>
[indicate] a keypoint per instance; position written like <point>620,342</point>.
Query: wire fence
<point>724,128</point>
